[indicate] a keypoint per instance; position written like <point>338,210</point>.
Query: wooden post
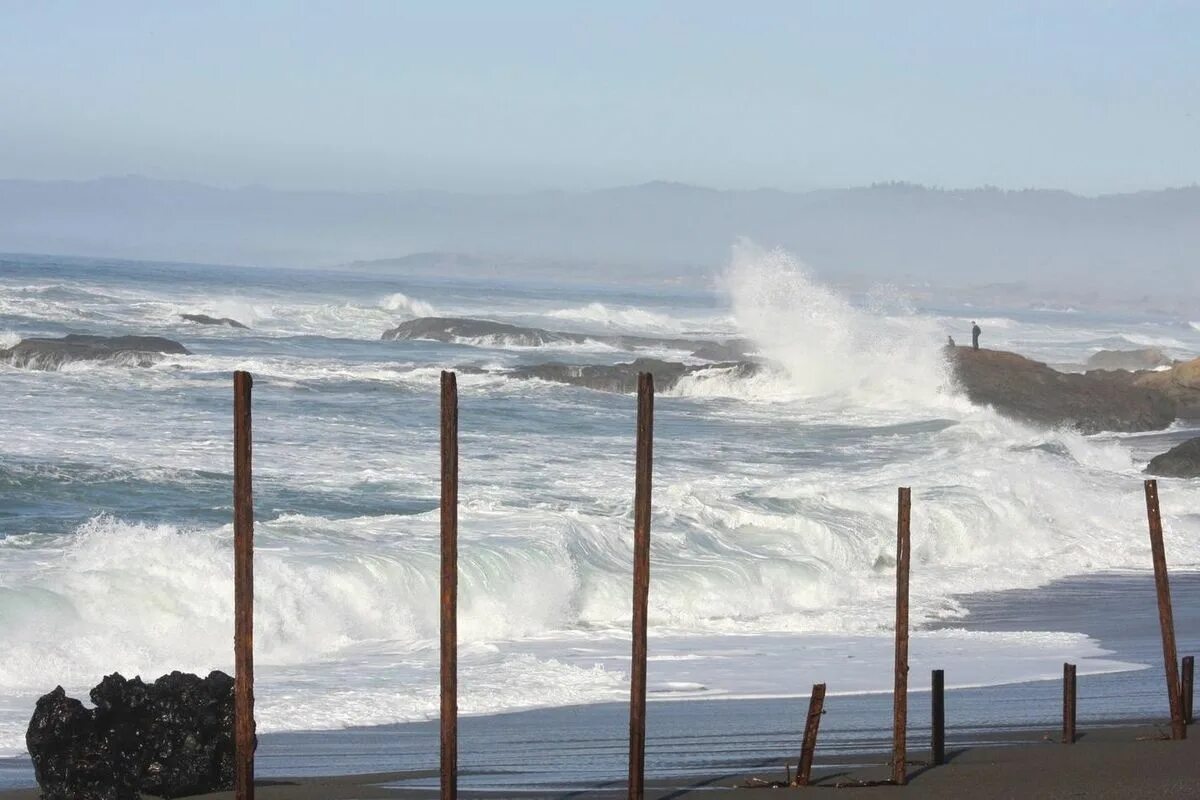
<point>1165,618</point>
<point>938,718</point>
<point>449,584</point>
<point>816,707</point>
<point>1185,690</point>
<point>900,694</point>
<point>641,585</point>
<point>1068,735</point>
<point>243,592</point>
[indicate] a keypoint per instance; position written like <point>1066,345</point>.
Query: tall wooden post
<point>816,707</point>
<point>1185,690</point>
<point>449,583</point>
<point>900,693</point>
<point>1165,618</point>
<point>641,584</point>
<point>1069,694</point>
<point>938,717</point>
<point>243,592</point>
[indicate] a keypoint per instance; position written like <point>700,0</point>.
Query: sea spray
<point>819,345</point>
<point>774,521</point>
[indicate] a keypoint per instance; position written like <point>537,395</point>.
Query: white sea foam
<point>828,347</point>
<point>629,318</point>
<point>773,521</point>
<point>409,306</point>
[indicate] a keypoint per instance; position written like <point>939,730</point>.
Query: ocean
<point>774,501</point>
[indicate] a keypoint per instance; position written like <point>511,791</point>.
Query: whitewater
<point>774,506</point>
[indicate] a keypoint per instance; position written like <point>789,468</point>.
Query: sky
<point>1089,96</point>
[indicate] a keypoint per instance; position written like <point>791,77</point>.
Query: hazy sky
<point>1090,96</point>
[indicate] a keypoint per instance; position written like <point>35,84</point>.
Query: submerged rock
<point>623,378</point>
<point>478,331</point>
<point>1131,360</point>
<point>500,334</point>
<point>205,319</point>
<point>170,738</point>
<point>1181,461</point>
<point>1029,390</point>
<point>141,351</point>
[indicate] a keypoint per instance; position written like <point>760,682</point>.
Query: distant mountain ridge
<point>902,232</point>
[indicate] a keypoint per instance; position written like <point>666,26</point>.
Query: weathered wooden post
<point>243,591</point>
<point>449,587</point>
<point>641,585</point>
<point>1068,735</point>
<point>1185,690</point>
<point>938,718</point>
<point>900,693</point>
<point>1166,619</point>
<point>816,707</point>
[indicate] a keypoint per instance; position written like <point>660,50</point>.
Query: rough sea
<point>774,496</point>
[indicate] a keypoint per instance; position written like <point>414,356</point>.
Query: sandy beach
<point>1117,762</point>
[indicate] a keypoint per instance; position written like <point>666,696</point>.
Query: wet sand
<point>1121,762</point>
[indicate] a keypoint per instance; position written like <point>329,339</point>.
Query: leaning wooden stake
<point>900,695</point>
<point>1068,735</point>
<point>641,585</point>
<point>1165,618</point>
<point>816,707</point>
<point>938,717</point>
<point>449,586</point>
<point>1185,690</point>
<point>243,592</point>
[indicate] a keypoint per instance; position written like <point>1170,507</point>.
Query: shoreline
<point>584,747</point>
<point>1105,762</point>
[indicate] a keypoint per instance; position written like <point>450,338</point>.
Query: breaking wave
<point>624,319</point>
<point>408,306</point>
<point>828,348</point>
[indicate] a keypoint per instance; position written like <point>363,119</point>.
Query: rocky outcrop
<point>478,331</point>
<point>1181,461</point>
<point>139,351</point>
<point>205,319</point>
<point>171,738</point>
<point>1131,360</point>
<point>1180,384</point>
<point>622,378</point>
<point>486,333</point>
<point>1029,390</point>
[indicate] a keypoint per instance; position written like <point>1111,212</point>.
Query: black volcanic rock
<point>1029,390</point>
<point>170,738</point>
<point>139,351</point>
<point>205,319</point>
<point>1181,461</point>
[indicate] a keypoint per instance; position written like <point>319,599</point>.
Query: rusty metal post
<point>938,718</point>
<point>900,693</point>
<point>1185,690</point>
<point>243,591</point>
<point>816,707</point>
<point>449,587</point>
<point>641,585</point>
<point>1068,735</point>
<point>1166,619</point>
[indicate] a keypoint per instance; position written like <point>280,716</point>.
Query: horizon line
<point>657,183</point>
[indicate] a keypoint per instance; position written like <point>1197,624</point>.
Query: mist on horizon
<point>574,143</point>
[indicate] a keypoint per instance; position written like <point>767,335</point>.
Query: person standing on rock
<point>975,331</point>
